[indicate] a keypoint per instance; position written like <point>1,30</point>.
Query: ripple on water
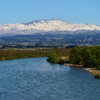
<point>36,79</point>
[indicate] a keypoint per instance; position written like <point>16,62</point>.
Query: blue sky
<point>71,11</point>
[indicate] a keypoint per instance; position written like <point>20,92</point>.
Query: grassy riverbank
<point>82,57</point>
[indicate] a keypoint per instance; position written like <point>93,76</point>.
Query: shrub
<point>53,58</point>
<point>97,76</point>
<point>61,61</point>
<point>98,67</point>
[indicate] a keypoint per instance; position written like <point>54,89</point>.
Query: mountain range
<point>50,33</point>
<point>43,27</point>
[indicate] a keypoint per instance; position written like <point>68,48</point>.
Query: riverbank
<point>73,65</point>
<point>92,71</point>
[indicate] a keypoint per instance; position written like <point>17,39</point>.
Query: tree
<point>53,58</point>
<point>76,55</point>
<point>87,56</point>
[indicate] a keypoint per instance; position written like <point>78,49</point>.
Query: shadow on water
<point>36,79</point>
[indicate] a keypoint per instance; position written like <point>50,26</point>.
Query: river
<point>37,79</point>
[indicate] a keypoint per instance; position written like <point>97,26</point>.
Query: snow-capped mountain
<point>45,26</point>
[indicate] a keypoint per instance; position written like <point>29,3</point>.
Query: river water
<point>36,79</point>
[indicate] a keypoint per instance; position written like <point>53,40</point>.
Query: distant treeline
<point>27,46</point>
<point>6,54</point>
<point>12,54</point>
<point>36,46</point>
<point>87,56</point>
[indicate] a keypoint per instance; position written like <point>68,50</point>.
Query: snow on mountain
<point>43,26</point>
